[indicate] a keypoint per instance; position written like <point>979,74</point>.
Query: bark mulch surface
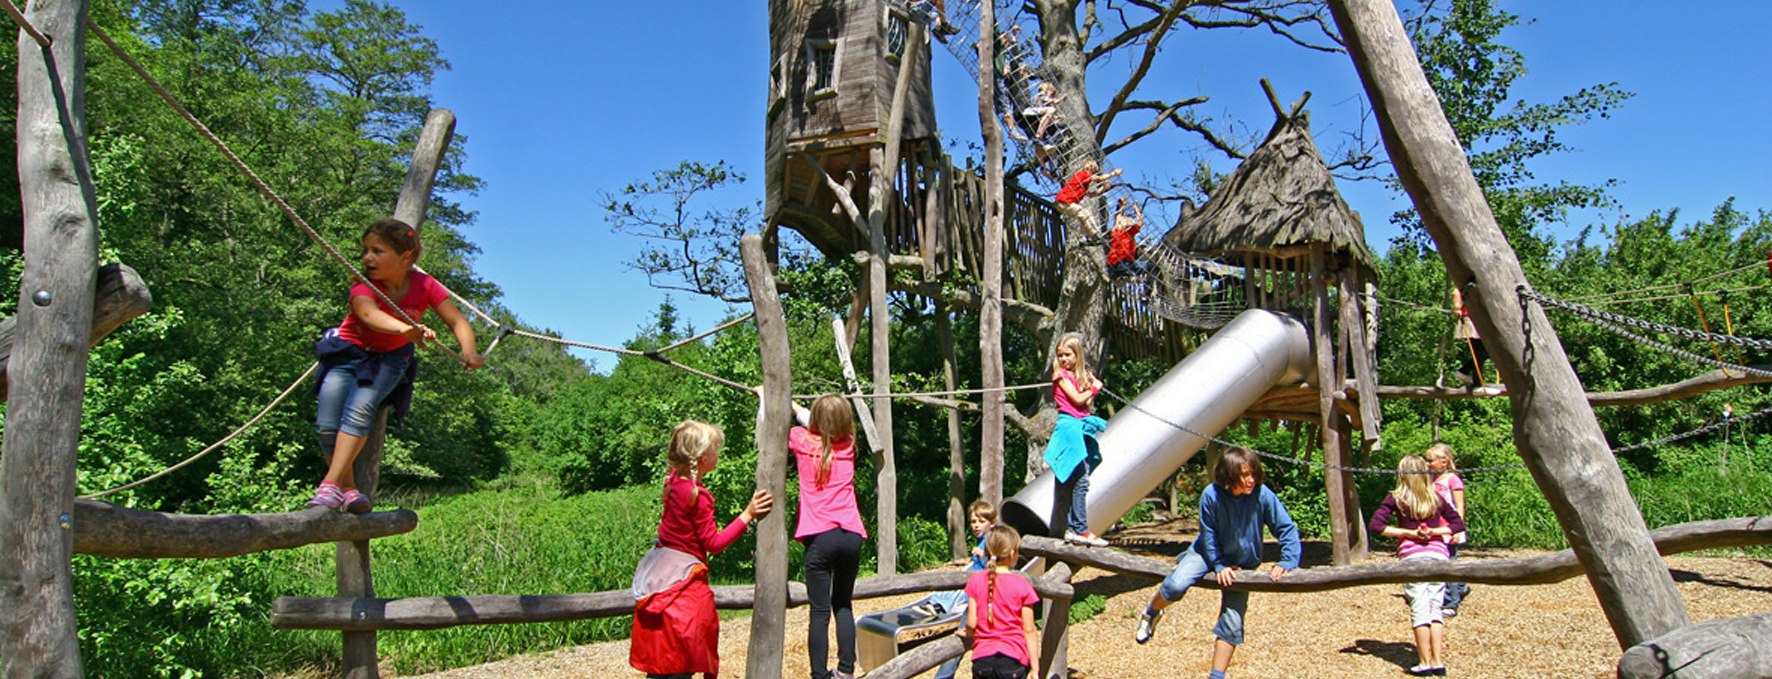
<point>1552,630</point>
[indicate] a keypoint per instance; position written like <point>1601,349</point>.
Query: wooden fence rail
<point>103,529</point>
<point>420,613</point>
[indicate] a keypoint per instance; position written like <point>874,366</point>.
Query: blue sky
<point>563,103</point>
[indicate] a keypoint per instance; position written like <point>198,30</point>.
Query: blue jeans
<point>348,407</point>
<point>1070,501</point>
<point>1189,568</point>
<point>951,601</point>
<point>1455,591</point>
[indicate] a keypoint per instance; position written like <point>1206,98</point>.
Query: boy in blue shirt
<point>1232,511</point>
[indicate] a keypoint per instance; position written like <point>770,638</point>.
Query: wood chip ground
<point>1538,631</point>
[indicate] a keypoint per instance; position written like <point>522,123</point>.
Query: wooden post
<point>770,601</point>
<point>1341,531</point>
<point>959,528</point>
<point>353,570</point>
<point>1554,427</point>
<point>885,167</point>
<point>990,315</point>
<point>38,635</point>
<point>1055,636</point>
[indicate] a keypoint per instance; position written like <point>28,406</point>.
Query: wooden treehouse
<point>1279,218</point>
<point>833,67</point>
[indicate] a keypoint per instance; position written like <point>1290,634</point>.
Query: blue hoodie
<point>1230,529</point>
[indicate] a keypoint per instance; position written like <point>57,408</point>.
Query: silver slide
<point>1206,392</point>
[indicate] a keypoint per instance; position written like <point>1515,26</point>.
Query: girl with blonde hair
<point>1073,452</point>
<point>1423,524</point>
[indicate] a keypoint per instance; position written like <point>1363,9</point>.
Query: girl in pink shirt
<point>1424,522</point>
<point>1000,612</point>
<point>1450,487</point>
<point>370,355</point>
<point>830,526</point>
<point>1072,451</point>
<point>676,630</point>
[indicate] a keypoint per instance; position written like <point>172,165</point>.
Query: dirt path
<point>1544,630</point>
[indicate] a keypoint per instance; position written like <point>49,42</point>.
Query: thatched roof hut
<point>1282,196</point>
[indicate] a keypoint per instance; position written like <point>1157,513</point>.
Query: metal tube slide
<point>1206,393</point>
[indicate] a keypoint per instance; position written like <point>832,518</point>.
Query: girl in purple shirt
<point>1424,523</point>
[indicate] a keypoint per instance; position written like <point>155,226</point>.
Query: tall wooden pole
<point>48,368</point>
<point>770,600</point>
<point>880,189</point>
<point>958,528</point>
<point>990,316</point>
<point>1554,427</point>
<point>353,571</point>
<point>1341,532</point>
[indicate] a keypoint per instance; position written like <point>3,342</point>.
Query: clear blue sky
<point>564,102</point>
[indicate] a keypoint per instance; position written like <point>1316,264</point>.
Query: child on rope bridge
<point>1424,523</point>
<point>368,359</point>
<point>823,445</point>
<point>1122,256</point>
<point>1086,183</point>
<point>1232,511</point>
<point>1073,452</point>
<point>676,630</point>
<point>1000,612</point>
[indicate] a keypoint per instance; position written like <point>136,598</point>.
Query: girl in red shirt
<point>370,354</point>
<point>676,629</point>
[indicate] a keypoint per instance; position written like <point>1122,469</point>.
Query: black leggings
<point>832,559</point>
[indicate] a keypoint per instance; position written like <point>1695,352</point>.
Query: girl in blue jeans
<point>1233,510</point>
<point>1073,452</point>
<point>369,356</point>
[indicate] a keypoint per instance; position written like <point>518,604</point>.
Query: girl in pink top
<point>1072,452</point>
<point>1000,612</point>
<point>1424,522</point>
<point>371,354</point>
<point>830,526</point>
<point>1450,488</point>
<point>676,630</point>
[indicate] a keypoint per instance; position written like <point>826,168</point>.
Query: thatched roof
<point>1281,196</point>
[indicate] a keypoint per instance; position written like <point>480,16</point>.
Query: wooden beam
<point>1353,326</point>
<point>104,529</point>
<point>1343,523</point>
<point>38,636</point>
<point>120,296</point>
<point>769,614</point>
<point>990,303</point>
<point>959,528</point>
<point>438,612</point>
<point>1535,570</point>
<point>1554,427</point>
<point>1713,649</point>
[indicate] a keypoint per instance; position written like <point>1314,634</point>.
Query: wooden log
<point>959,528</point>
<point>1736,648</point>
<point>38,635</point>
<point>1343,523</point>
<point>1673,391</point>
<point>990,318</point>
<point>1055,636</point>
<point>852,386</point>
<point>1535,570</point>
<point>1554,427</point>
<point>104,529</point>
<point>769,615</point>
<point>1353,325</point>
<point>120,296</point>
<point>437,612</point>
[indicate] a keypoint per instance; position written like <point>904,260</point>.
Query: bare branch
<point>1170,112</point>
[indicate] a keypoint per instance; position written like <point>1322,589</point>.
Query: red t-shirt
<point>1122,244</point>
<point>1000,631</point>
<point>1075,188</point>
<point>422,292</point>
<point>688,522</point>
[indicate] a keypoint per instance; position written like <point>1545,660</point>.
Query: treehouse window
<point>897,30</point>
<point>778,82</point>
<point>821,69</point>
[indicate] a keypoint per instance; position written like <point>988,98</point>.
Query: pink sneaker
<point>328,496</point>
<point>356,502</point>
